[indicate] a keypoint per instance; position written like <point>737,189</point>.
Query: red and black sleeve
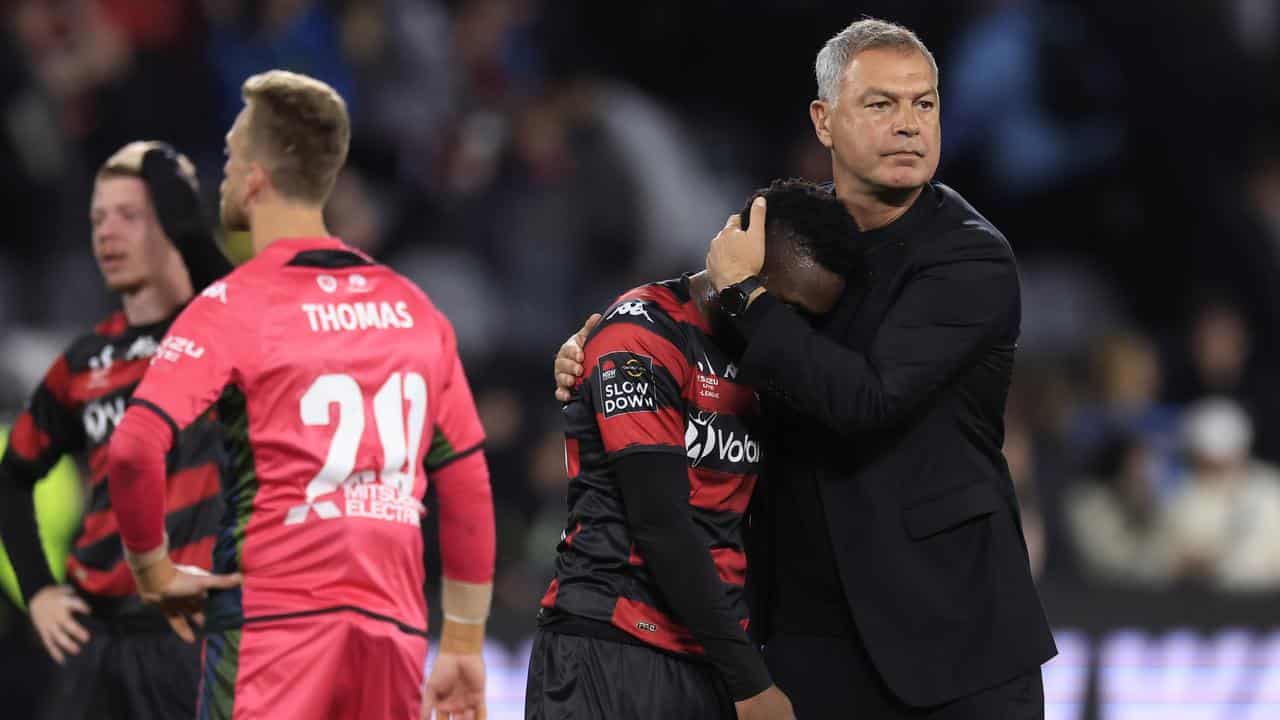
<point>45,431</point>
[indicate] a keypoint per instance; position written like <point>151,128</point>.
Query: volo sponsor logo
<point>175,347</point>
<point>338,317</point>
<point>702,438</point>
<point>101,417</point>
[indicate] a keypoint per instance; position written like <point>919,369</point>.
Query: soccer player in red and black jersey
<point>112,649</point>
<point>342,394</point>
<point>646,616</point>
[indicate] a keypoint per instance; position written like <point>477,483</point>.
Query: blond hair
<point>302,127</point>
<point>127,162</point>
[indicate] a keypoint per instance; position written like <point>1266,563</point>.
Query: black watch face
<point>732,299</point>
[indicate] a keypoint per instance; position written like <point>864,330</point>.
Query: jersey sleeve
<point>456,430</point>
<point>194,363</point>
<point>635,375</point>
<point>456,465</point>
<point>48,428</point>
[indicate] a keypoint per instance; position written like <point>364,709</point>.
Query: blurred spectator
<point>1220,359</point>
<point>1223,527</point>
<point>249,37</point>
<point>1029,89</point>
<point>1112,516</point>
<point>400,52</point>
<point>1127,375</point>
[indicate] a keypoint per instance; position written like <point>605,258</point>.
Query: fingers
<point>75,630</point>
<point>568,366</point>
<point>757,215</point>
<point>222,582</point>
<point>182,628</point>
<point>64,641</point>
<point>733,223</point>
<point>587,327</point>
<point>428,704</point>
<point>46,638</point>
<point>77,603</point>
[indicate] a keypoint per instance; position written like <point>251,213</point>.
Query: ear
<point>820,113</point>
<point>256,180</point>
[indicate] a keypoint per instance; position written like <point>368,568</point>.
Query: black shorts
<point>583,677</point>
<point>139,675</point>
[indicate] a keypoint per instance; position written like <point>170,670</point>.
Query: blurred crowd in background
<point>526,161</point>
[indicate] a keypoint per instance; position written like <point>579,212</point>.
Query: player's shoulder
<point>653,303</point>
<point>403,289</point>
<point>651,309</point>
<point>238,291</point>
<point>90,344</point>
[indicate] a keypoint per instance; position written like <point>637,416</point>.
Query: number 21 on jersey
<point>400,436</point>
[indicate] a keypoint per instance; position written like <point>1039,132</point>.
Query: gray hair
<point>864,34</point>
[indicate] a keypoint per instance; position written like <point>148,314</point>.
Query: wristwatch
<point>733,299</point>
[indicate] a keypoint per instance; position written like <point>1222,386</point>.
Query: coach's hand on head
<point>737,254</point>
<point>178,590</point>
<point>51,613</point>
<point>568,365</point>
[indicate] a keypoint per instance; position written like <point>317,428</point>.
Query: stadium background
<point>526,160</point>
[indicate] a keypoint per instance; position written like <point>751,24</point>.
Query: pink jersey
<point>338,383</point>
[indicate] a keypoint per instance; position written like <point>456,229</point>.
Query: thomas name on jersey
<point>333,317</point>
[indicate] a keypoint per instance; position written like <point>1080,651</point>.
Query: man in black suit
<point>892,579</point>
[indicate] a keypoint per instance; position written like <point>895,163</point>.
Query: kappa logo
<point>143,347</point>
<point>103,361</point>
<point>634,308</point>
<point>217,291</point>
<point>702,438</point>
<point>101,366</point>
<point>327,283</point>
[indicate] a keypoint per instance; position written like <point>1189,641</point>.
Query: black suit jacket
<point>897,406</point>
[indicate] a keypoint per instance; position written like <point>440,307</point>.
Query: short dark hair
<point>814,217</point>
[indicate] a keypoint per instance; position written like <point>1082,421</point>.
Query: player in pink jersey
<point>339,383</point>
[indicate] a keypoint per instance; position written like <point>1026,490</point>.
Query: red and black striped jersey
<point>74,411</point>
<point>654,381</point>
